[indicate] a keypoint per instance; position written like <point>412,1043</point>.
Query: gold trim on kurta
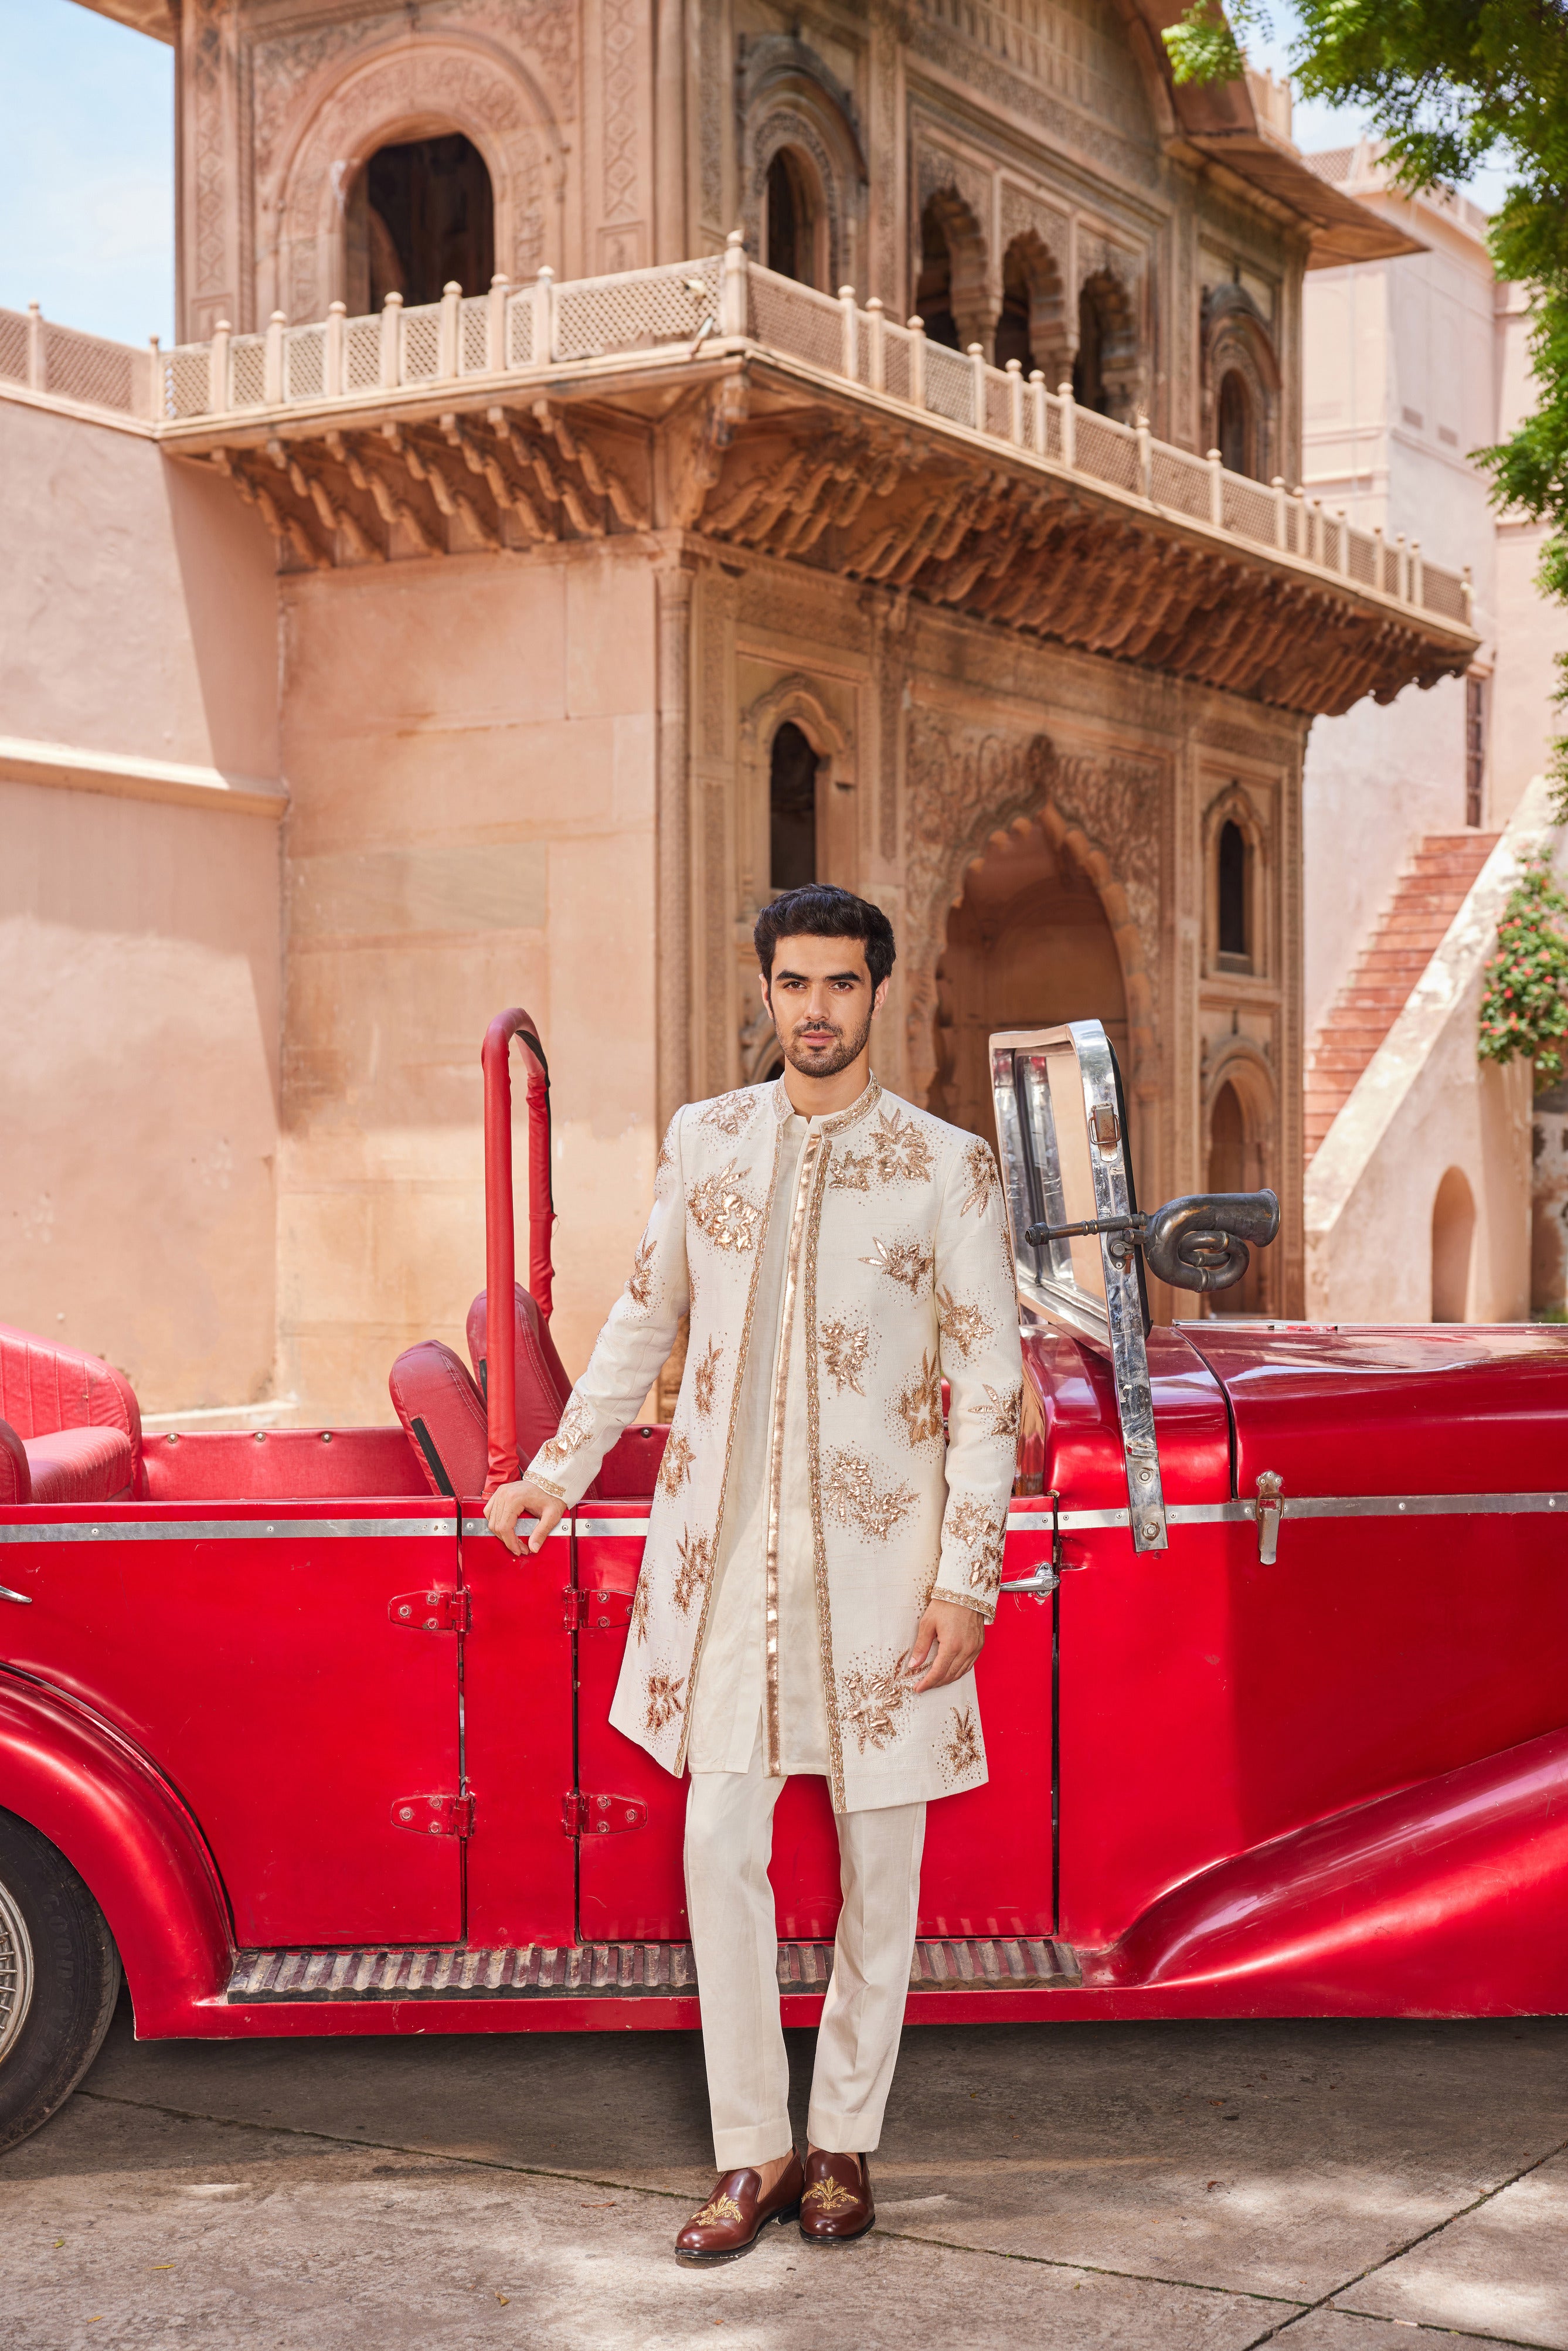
<point>819,1533</point>
<point>815,1144</point>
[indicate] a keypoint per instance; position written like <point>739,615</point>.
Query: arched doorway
<point>1235,423</point>
<point>1029,945</point>
<point>1453,1238</point>
<point>1236,1165</point>
<point>421,214</point>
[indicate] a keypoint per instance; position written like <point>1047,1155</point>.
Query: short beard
<point>846,1050</point>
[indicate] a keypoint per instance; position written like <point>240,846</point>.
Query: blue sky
<point>87,186</point>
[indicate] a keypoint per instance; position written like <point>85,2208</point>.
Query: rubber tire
<point>75,1980</point>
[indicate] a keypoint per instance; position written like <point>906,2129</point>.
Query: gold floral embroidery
<point>576,1424</point>
<point>640,1283</point>
<point>730,1113</point>
<point>897,1153</point>
<point>902,1261</point>
<point>982,1531</point>
<point>662,1692</point>
<point>705,1376</point>
<point>638,1617</point>
<point>854,1496</point>
<point>981,1169</point>
<point>919,1403</point>
<point>665,1162</point>
<point>677,1466</point>
<point>721,2209</point>
<point>846,1350</point>
<point>962,1752</point>
<point>696,1552</point>
<point>828,2195</point>
<point>873,1699</point>
<point>721,1208</point>
<point>967,1325</point>
<point>1005,1406</point>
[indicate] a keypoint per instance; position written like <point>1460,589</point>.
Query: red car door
<point>292,1668</point>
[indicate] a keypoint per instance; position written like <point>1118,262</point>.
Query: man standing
<point>823,1554</point>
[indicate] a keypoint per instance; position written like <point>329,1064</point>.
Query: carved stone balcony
<point>714,398</point>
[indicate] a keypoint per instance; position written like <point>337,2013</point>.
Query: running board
<point>614,1971</point>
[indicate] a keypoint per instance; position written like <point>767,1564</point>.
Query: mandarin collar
<point>838,1121</point>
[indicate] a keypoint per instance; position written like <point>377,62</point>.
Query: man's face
<point>821,1001</point>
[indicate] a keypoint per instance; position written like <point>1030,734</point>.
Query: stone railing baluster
<point>850,348</point>
<point>1216,489</point>
<point>272,362</point>
<point>447,350</point>
<point>391,370</point>
<point>544,316</point>
<point>917,361</point>
<point>734,287</point>
<point>1015,401</point>
<point>977,359</point>
<point>1145,458</point>
<point>218,368</point>
<point>496,324</point>
<point>876,357</point>
<point>335,351</point>
<point>1037,400</point>
<point>1069,412</point>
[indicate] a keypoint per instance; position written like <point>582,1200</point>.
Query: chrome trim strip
<point>602,1527</point>
<point>23,1599</point>
<point>224,1530</point>
<point>1306,1506</point>
<point>523,1527</point>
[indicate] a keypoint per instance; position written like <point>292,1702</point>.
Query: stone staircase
<point>1427,897</point>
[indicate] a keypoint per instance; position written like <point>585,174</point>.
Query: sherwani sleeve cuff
<point>985,1610</point>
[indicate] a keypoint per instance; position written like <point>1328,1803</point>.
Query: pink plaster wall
<point>470,750</point>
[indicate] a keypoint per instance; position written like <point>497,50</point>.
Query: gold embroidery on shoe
<point>721,2209</point>
<point>855,1497</point>
<point>576,1424</point>
<point>902,1261</point>
<point>873,1697</point>
<point>919,1403</point>
<point>662,1692</point>
<point>677,1466</point>
<point>829,2195</point>
<point>696,1552</point>
<point>846,1351</point>
<point>722,1209</point>
<point>640,1283</point>
<point>1005,1404</point>
<point>705,1376</point>
<point>968,1326</point>
<point>981,1169</point>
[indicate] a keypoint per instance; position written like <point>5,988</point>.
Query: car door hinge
<point>585,1816</point>
<point>431,1612</point>
<point>1270,1510</point>
<point>435,1815</point>
<point>596,1612</point>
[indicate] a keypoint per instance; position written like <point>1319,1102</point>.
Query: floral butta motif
<point>966,1325</point>
<point>1005,1406</point>
<point>895,1151</point>
<point>663,1699</point>
<point>677,1465</point>
<point>982,1533</point>
<point>576,1424</point>
<point>721,2209</point>
<point>695,1553</point>
<point>640,1281</point>
<point>724,1211</point>
<point>907,1262</point>
<point>874,1696</point>
<point>730,1113</point>
<point>846,1351</point>
<point>705,1374</point>
<point>984,1184</point>
<point>961,1752</point>
<point>919,1403</point>
<point>638,1620</point>
<point>854,1496</point>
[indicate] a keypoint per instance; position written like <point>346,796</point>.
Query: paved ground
<point>1159,2187</point>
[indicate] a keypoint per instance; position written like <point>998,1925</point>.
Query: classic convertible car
<point>1276,1701</point>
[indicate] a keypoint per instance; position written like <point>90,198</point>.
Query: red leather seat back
<point>542,1386</point>
<point>431,1385</point>
<point>45,1388</point>
<point>15,1475</point>
<point>81,1466</point>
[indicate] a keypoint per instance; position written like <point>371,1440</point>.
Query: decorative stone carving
<point>619,31</point>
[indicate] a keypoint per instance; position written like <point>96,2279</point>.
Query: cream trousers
<point>729,1901</point>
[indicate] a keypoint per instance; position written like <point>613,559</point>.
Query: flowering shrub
<point>1524,1008</point>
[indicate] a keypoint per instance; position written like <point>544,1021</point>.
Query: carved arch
<point>798,700</point>
<point>1113,291</point>
<point>1238,1063</point>
<point>1234,804</point>
<point>975,304</point>
<point>791,102</point>
<point>1028,257</point>
<point>1237,339</point>
<point>417,87</point>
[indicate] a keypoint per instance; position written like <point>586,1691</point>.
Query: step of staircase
<point>1428,895</point>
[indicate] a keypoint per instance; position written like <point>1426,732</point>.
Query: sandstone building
<point>620,459</point>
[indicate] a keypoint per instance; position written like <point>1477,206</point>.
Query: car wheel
<point>59,1977</point>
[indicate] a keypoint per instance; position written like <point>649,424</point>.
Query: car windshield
<point>1042,1128</point>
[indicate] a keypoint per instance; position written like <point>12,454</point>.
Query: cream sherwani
<point>835,1269</point>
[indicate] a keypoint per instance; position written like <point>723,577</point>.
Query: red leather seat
<point>71,1430</point>
<point>443,1415</point>
<point>540,1384</point>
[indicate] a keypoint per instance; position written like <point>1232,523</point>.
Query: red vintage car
<point>1276,1702</point>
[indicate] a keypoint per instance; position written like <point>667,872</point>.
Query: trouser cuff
<point>843,2134</point>
<point>753,2144</point>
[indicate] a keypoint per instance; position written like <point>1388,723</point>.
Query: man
<point>823,1556</point>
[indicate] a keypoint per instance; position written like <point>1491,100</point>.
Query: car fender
<point>1444,1898</point>
<point>130,1836</point>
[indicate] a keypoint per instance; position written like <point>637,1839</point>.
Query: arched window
<point>791,225</point>
<point>1234,423</point>
<point>1106,370</point>
<point>934,293</point>
<point>1089,365</point>
<point>1233,940</point>
<point>1013,338</point>
<point>1453,1234</point>
<point>421,214</point>
<point>791,809</point>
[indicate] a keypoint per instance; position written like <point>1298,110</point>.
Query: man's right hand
<point>523,1499</point>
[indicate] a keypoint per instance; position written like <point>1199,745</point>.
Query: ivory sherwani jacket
<point>899,1267</point>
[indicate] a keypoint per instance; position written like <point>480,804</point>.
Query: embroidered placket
<point>776,1441</point>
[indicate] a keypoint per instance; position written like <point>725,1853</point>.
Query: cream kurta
<point>896,1273</point>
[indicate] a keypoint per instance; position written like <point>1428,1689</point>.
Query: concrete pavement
<point>1143,2188</point>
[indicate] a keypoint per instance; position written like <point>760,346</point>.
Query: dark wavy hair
<point>822,911</point>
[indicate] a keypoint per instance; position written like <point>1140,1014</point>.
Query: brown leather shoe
<point>737,2213</point>
<point>837,2206</point>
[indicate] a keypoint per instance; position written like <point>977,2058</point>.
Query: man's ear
<point>878,999</point>
<point>765,983</point>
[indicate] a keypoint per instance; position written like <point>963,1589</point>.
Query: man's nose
<point>820,1004</point>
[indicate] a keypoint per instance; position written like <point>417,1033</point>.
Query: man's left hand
<point>947,1640</point>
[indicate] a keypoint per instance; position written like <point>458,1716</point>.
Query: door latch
<point>431,1612</point>
<point>596,1612</point>
<point>435,1815</point>
<point>585,1816</point>
<point>1270,1510</point>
